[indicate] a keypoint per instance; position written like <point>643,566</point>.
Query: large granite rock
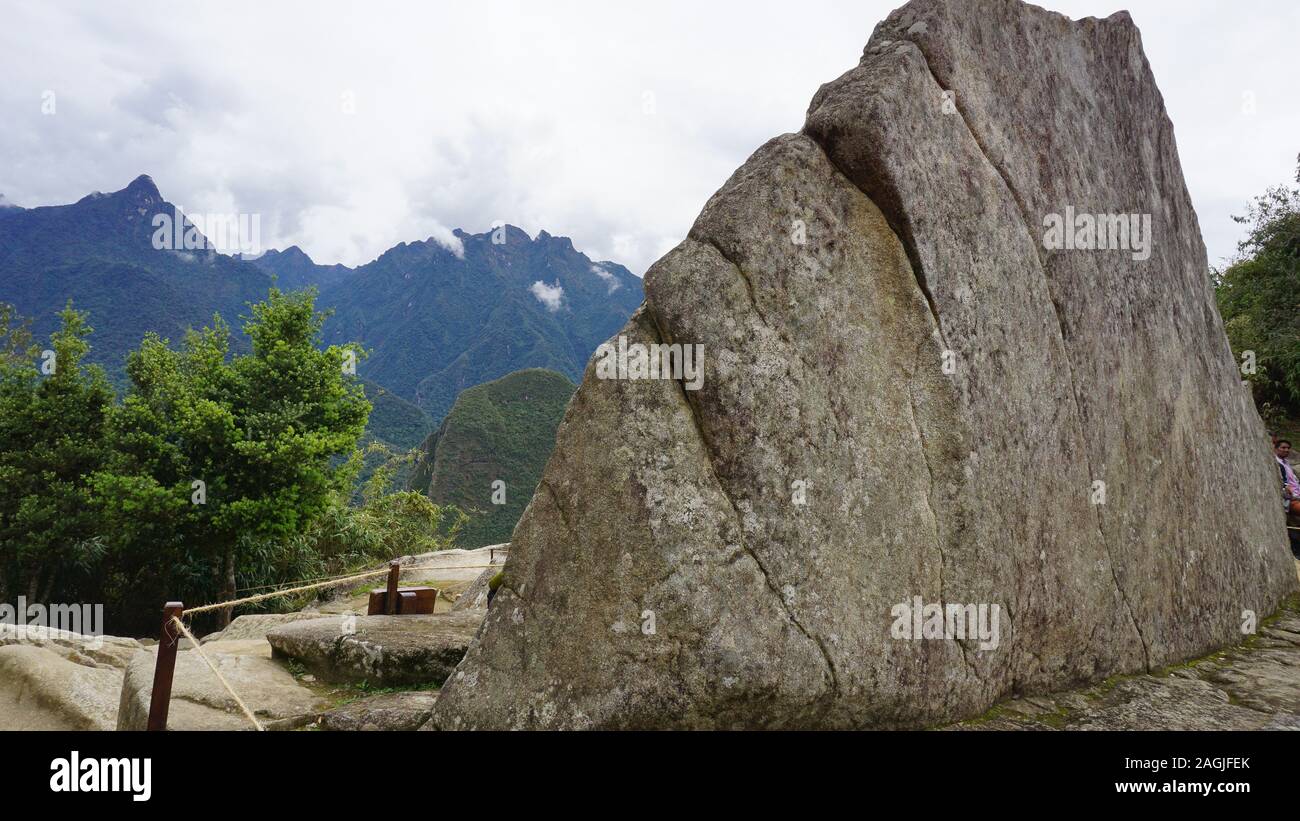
<point>383,651</point>
<point>256,626</point>
<point>390,712</point>
<point>200,702</point>
<point>58,680</point>
<point>88,651</point>
<point>42,689</point>
<point>475,597</point>
<point>909,392</point>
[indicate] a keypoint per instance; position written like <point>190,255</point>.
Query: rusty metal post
<point>390,598</point>
<point>168,642</point>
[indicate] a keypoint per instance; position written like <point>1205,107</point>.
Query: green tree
<point>15,336</point>
<point>217,457</point>
<point>383,525</point>
<point>1259,298</point>
<point>53,420</point>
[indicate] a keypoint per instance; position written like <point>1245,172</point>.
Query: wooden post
<point>390,598</point>
<point>168,642</point>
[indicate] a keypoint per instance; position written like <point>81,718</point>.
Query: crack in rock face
<point>911,396</point>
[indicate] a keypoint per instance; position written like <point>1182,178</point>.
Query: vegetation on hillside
<point>501,431</point>
<point>393,420</point>
<point>441,322</point>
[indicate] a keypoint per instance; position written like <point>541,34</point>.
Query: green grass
<point>342,694</point>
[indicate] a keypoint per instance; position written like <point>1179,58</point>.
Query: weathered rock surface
<point>41,689</point>
<point>199,702</point>
<point>389,711</point>
<point>58,680</point>
<point>89,651</point>
<point>475,597</point>
<point>256,626</point>
<point>729,557</point>
<point>1251,687</point>
<point>380,650</point>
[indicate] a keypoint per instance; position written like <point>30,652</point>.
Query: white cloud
<point>549,295</point>
<point>564,117</point>
<point>444,237</point>
<point>610,279</point>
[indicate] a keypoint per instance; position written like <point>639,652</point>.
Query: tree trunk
<point>228,591</point>
<point>45,591</point>
<point>33,585</point>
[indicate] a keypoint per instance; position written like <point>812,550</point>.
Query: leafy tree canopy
<point>1259,298</point>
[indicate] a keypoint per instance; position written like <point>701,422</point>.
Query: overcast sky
<point>352,127</point>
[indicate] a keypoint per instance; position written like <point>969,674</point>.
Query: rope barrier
<point>275,594</point>
<point>164,667</point>
<point>274,587</point>
<point>278,593</point>
<point>280,585</point>
<point>198,649</point>
<point>451,567</point>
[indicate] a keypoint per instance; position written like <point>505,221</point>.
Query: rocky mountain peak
<point>143,187</point>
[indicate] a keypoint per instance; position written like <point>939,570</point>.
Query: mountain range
<point>434,317</point>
